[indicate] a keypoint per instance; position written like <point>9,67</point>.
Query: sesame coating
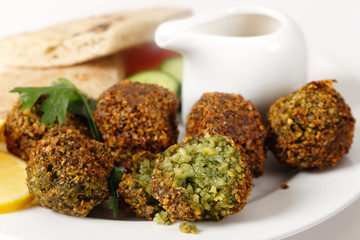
<point>232,116</point>
<point>135,193</point>
<point>69,173</point>
<point>24,129</point>
<point>133,117</point>
<point>310,128</point>
<point>201,178</point>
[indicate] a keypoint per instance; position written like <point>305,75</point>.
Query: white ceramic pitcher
<point>255,51</point>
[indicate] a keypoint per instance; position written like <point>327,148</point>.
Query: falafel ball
<point>201,178</point>
<point>135,193</point>
<point>133,117</point>
<point>69,173</point>
<point>24,129</point>
<point>232,116</point>
<point>312,127</point>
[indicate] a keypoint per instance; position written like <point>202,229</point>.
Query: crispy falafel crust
<point>134,116</point>
<point>69,173</point>
<point>312,127</point>
<point>191,198</point>
<point>135,193</point>
<point>232,116</point>
<point>24,129</point>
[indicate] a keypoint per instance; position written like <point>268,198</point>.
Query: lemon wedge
<point>2,137</point>
<point>2,121</point>
<point>14,194</point>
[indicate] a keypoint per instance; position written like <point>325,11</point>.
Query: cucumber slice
<point>173,66</point>
<point>157,77</point>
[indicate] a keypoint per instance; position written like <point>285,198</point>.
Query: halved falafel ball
<point>24,129</point>
<point>232,116</point>
<point>201,178</point>
<point>312,127</point>
<point>69,173</point>
<point>133,117</point>
<point>135,193</point>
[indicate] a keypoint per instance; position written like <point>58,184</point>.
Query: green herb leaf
<point>115,179</point>
<point>113,204</point>
<point>63,96</point>
<point>60,99</point>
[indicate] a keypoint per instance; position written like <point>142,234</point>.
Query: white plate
<point>271,212</point>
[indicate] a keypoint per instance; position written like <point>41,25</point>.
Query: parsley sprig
<point>115,179</point>
<point>63,96</point>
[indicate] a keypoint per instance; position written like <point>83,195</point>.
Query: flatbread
<point>91,78</point>
<point>78,41</point>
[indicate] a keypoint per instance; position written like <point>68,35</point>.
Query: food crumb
<point>187,228</point>
<point>161,218</point>
<point>284,186</point>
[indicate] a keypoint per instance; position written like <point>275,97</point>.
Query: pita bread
<point>91,78</point>
<point>78,41</point>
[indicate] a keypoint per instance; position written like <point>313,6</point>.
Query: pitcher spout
<point>172,35</point>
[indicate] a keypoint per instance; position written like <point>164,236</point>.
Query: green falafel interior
<point>187,228</point>
<point>135,192</point>
<point>202,178</point>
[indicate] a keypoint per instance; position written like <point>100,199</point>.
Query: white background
<point>332,28</point>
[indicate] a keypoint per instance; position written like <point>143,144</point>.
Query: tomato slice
<point>145,57</point>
